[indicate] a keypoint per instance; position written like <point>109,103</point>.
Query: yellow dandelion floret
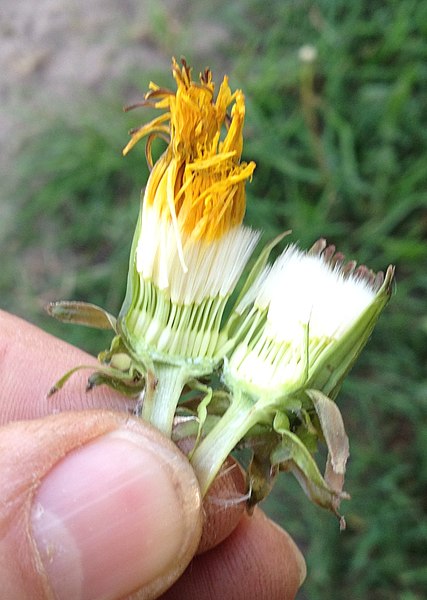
<point>198,184</point>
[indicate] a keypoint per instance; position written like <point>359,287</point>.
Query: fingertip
<point>257,561</point>
<point>290,547</point>
<point>95,504</point>
<point>118,514</point>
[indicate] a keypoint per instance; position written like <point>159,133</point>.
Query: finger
<point>259,561</point>
<point>223,506</point>
<point>93,505</point>
<point>31,361</point>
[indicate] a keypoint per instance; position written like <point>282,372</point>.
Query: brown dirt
<point>53,53</point>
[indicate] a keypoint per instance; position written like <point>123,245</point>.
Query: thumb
<point>93,505</point>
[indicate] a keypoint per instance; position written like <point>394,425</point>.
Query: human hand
<point>96,504</point>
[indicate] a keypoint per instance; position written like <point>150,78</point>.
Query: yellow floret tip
<point>198,184</point>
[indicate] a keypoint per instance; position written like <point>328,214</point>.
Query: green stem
<point>221,440</point>
<point>160,406</point>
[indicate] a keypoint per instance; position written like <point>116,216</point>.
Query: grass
<point>341,151</point>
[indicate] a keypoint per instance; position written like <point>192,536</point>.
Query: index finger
<point>31,361</point>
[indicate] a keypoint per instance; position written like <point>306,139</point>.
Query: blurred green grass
<point>340,144</point>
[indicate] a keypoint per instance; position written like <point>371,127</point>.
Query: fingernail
<point>113,516</point>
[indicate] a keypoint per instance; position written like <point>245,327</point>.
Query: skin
<point>239,556</point>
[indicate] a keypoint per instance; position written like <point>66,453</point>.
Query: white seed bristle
<point>304,289</point>
<point>213,268</point>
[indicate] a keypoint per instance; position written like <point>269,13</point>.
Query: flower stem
<point>159,409</point>
<point>209,456</point>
